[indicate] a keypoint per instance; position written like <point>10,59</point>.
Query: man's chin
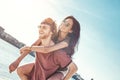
<point>41,37</point>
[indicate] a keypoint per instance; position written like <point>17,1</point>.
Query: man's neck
<point>46,42</point>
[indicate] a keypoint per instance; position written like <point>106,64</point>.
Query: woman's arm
<point>48,49</point>
<point>72,69</point>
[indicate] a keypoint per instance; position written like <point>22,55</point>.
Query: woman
<point>67,38</point>
<point>69,32</point>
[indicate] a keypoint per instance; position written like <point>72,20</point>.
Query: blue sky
<point>98,54</point>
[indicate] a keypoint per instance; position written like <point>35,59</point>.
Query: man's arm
<point>72,69</point>
<point>14,65</point>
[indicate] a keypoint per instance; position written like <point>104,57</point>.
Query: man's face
<point>45,31</point>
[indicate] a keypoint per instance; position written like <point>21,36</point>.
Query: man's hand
<point>25,49</point>
<point>13,66</point>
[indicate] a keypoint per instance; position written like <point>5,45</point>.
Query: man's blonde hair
<point>49,21</point>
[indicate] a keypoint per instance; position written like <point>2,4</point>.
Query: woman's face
<point>66,26</point>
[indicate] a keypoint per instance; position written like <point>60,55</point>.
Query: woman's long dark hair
<point>74,36</point>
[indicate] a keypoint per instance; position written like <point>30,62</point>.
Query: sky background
<point>98,55</point>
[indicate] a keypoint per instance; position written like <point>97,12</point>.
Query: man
<point>46,64</point>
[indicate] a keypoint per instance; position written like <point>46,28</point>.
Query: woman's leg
<point>56,76</point>
<point>24,71</point>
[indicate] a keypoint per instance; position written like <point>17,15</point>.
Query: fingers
<point>13,66</point>
<point>11,69</point>
<point>24,49</point>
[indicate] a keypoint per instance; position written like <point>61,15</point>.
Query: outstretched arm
<point>72,69</point>
<point>14,65</point>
